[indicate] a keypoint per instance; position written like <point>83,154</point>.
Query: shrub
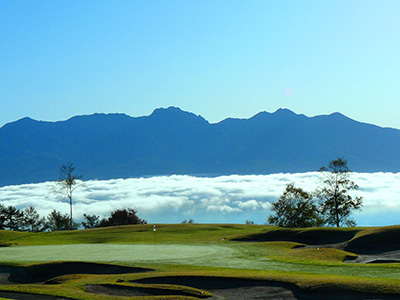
<point>122,217</point>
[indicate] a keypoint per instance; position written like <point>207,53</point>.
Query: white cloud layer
<point>224,199</point>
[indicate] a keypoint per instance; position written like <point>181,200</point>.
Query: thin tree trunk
<point>70,208</point>
<point>70,213</point>
<point>336,202</point>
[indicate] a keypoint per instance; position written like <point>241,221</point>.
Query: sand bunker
<point>26,296</point>
<point>133,291</point>
<point>220,287</point>
<point>237,288</point>
<point>230,288</point>
<point>381,258</point>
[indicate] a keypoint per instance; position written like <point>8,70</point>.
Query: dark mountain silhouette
<point>172,141</point>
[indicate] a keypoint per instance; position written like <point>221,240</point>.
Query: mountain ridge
<point>173,141</point>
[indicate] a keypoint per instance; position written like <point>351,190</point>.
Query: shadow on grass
<point>381,241</point>
<point>304,236</point>
<point>42,272</point>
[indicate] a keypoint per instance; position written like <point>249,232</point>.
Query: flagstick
<point>155,238</point>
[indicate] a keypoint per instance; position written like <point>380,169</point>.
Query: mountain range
<point>172,141</point>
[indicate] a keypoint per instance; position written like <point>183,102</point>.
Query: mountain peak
<point>173,113</point>
<point>280,113</point>
<point>171,110</point>
<point>26,121</point>
<point>284,111</point>
<point>338,115</point>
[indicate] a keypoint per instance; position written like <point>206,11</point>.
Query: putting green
<point>112,253</point>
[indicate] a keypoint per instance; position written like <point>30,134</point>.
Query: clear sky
<point>214,58</point>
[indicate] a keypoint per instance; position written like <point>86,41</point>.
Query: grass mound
<point>375,241</point>
<point>43,272</point>
<point>309,236</point>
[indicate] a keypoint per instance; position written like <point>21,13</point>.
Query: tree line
<point>12,218</point>
<point>330,204</point>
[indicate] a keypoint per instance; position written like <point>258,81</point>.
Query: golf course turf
<point>196,261</point>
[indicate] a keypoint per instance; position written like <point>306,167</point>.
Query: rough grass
<point>207,250</point>
<point>294,252</point>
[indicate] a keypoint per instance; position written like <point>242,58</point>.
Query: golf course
<point>201,261</point>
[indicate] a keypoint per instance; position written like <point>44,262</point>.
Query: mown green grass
<point>200,249</point>
<point>183,233</point>
<point>114,253</point>
<point>139,234</point>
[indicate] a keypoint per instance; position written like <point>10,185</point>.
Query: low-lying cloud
<point>224,199</point>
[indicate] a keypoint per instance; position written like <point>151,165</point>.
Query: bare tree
<point>67,184</point>
<point>335,202</point>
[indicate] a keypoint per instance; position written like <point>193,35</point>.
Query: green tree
<point>57,222</point>
<point>67,184</point>
<point>122,217</point>
<point>11,218</point>
<point>295,208</point>
<point>90,221</point>
<point>336,204</point>
<point>32,220</point>
<point>2,216</point>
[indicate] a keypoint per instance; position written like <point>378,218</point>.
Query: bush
<point>57,222</point>
<point>90,221</point>
<point>122,217</point>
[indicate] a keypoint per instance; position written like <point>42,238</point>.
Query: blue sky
<point>215,58</point>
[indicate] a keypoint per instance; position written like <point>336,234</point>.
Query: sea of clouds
<point>224,199</point>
